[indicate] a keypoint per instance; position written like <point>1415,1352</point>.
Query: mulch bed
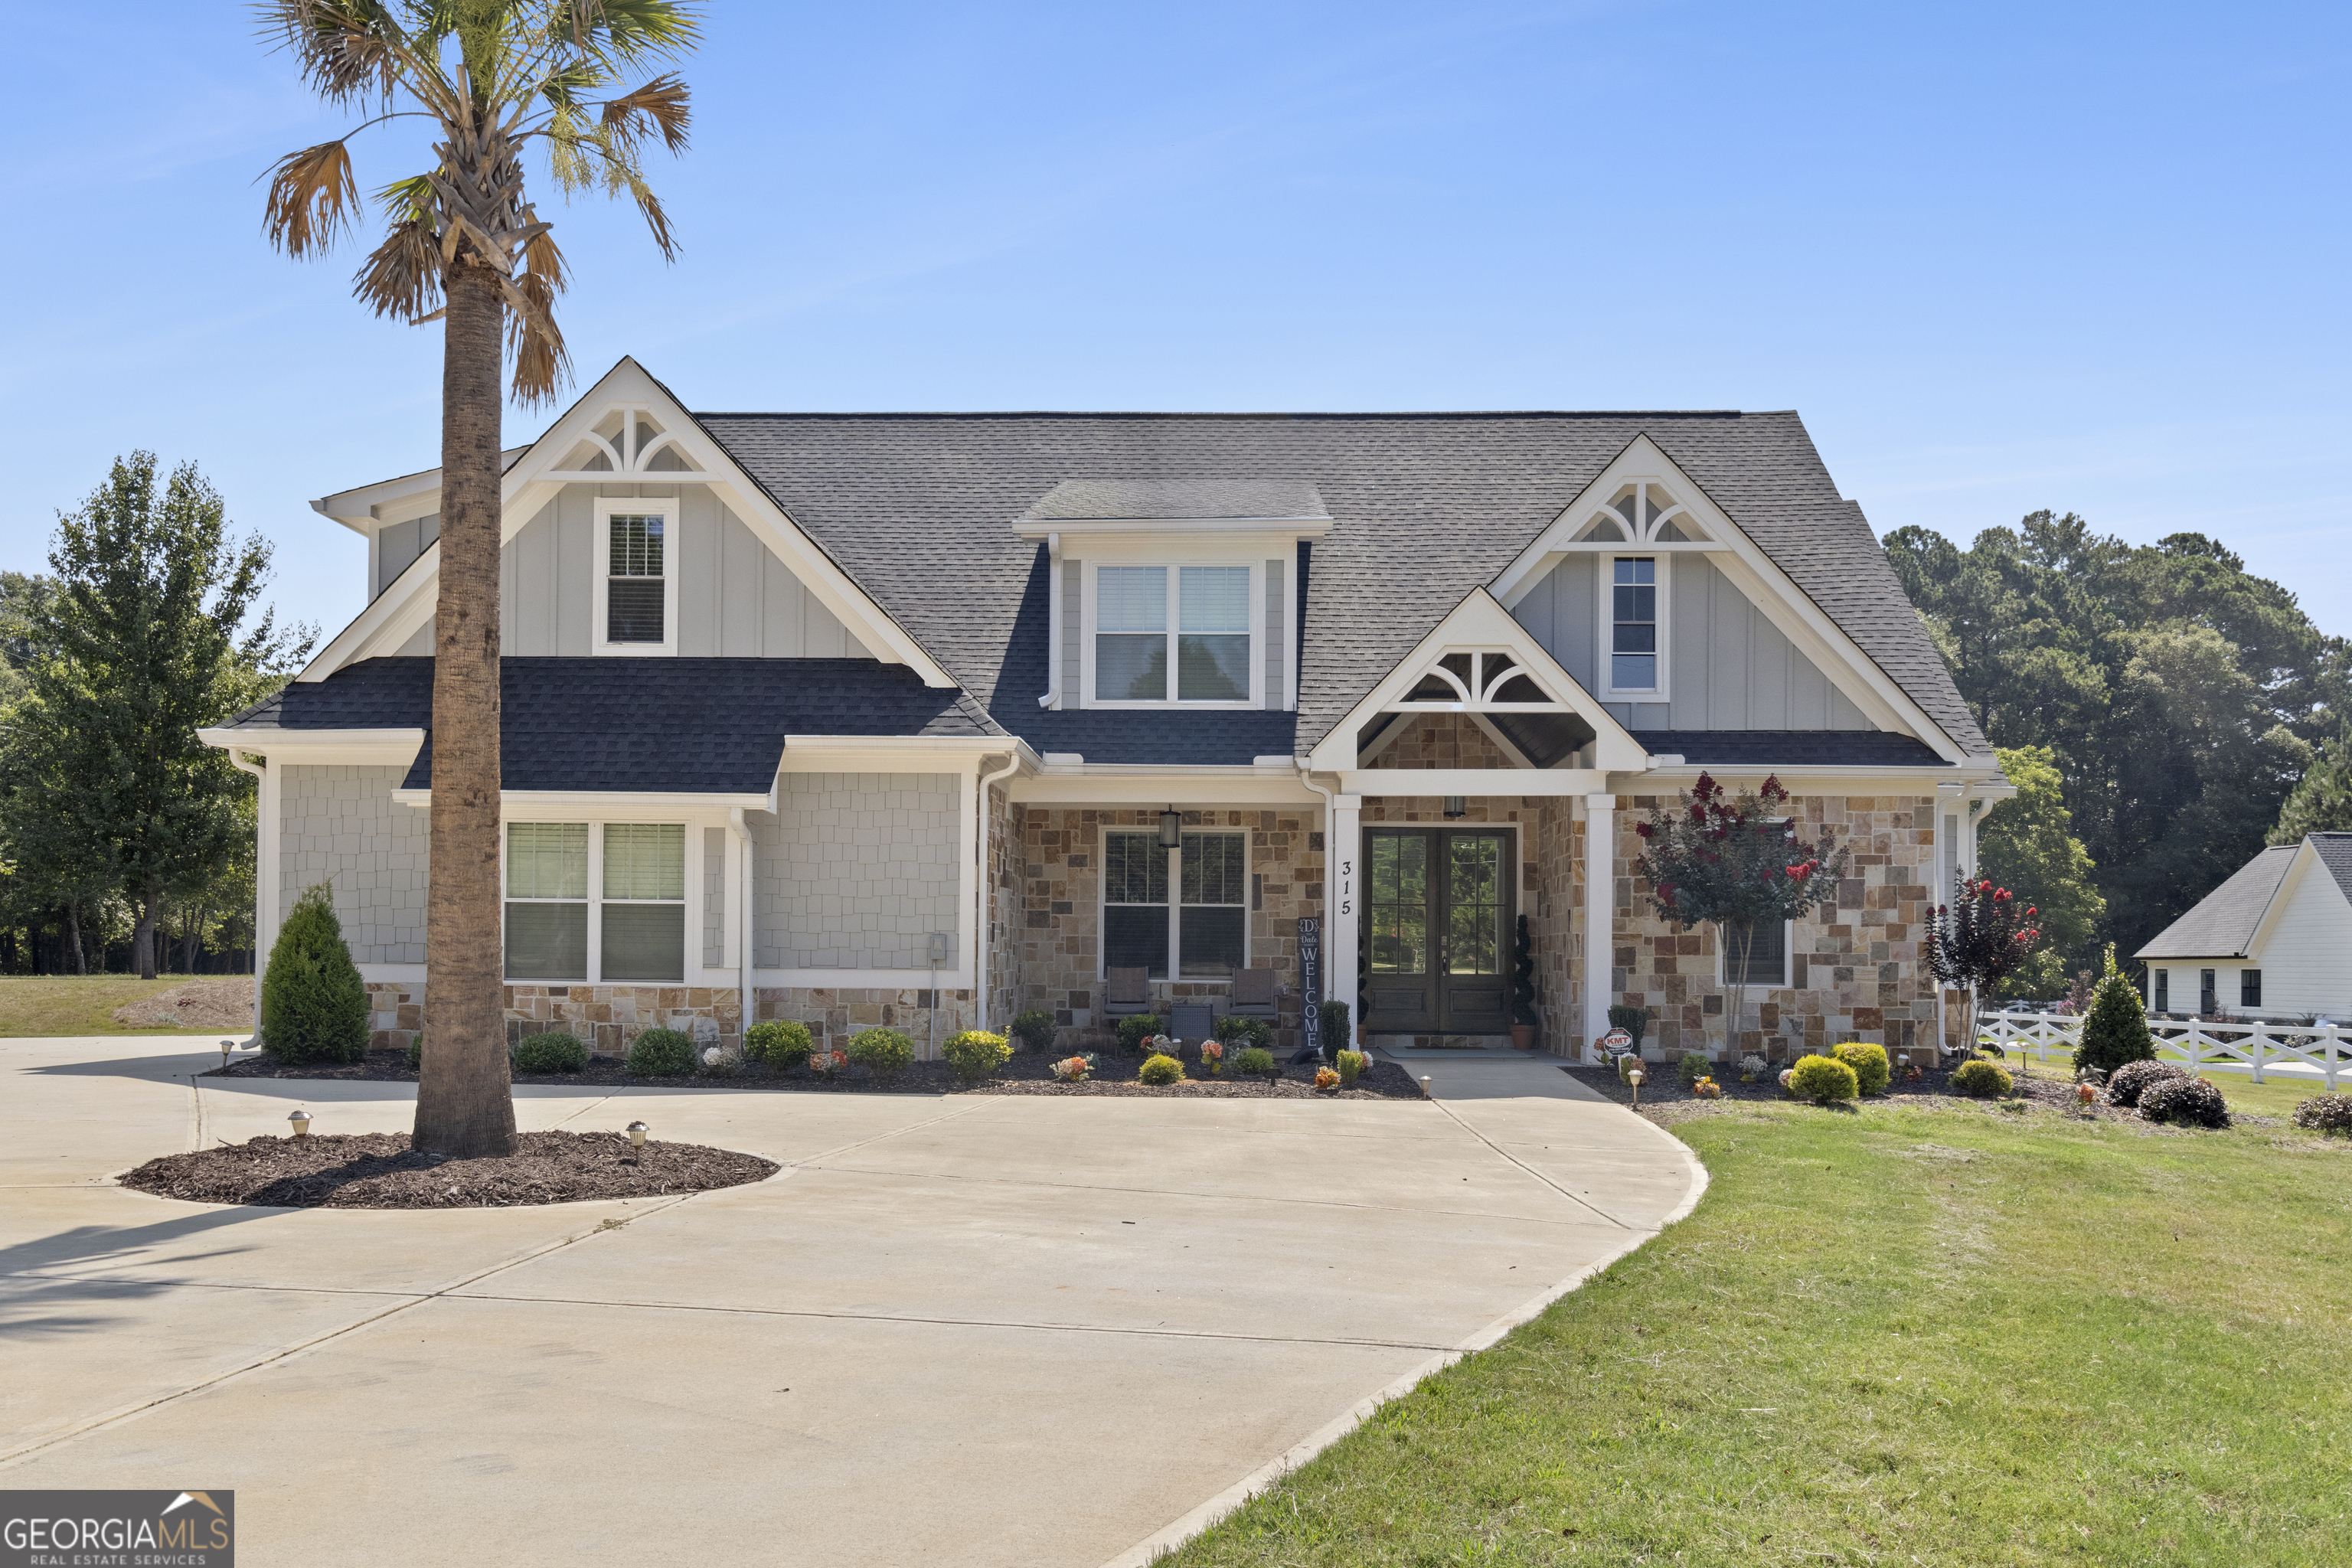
<point>2051,1086</point>
<point>1028,1072</point>
<point>380,1170</point>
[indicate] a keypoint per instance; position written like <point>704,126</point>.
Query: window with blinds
<point>1202,932</point>
<point>635,580</point>
<point>634,929</point>
<point>1172,633</point>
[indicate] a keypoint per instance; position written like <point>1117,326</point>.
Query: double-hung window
<point>1172,633</point>
<point>637,577</point>
<point>633,930</point>
<point>1767,962</point>
<point>1633,624</point>
<point>2250,988</point>
<point>1202,932</point>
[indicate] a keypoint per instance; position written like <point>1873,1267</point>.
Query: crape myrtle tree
<point>1734,863</point>
<point>1978,939</point>
<point>489,82</point>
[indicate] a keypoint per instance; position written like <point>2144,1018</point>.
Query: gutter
<point>744,934</point>
<point>1053,698</point>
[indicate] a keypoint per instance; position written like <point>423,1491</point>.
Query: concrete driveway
<point>969,1330</point>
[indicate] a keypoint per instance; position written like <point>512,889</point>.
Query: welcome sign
<point>1311,977</point>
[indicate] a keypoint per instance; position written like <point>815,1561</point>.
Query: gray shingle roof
<point>695,726</point>
<point>2224,920</point>
<point>919,507</point>
<point>1099,500</point>
<point>2334,851</point>
<point>1789,748</point>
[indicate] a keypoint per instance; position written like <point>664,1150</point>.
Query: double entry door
<point>1439,910</point>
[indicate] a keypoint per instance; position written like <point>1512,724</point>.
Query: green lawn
<point>1941,1337</point>
<point>76,1004</point>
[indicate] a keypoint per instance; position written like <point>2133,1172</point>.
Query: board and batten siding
<point>2307,961</point>
<point>1729,666</point>
<point>340,826</point>
<point>735,599</point>
<point>855,870</point>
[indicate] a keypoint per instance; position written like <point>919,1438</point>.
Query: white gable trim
<point>1480,622</point>
<point>532,480</point>
<point>1773,591</point>
<point>2305,864</point>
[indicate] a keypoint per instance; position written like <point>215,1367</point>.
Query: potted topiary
<point>1523,990</point>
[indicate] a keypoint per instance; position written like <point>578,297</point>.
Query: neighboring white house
<point>2275,940</point>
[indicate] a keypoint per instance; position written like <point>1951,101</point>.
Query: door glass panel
<point>1398,907</point>
<point>1474,912</point>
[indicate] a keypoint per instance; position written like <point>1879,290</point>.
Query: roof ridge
<point>1243,414</point>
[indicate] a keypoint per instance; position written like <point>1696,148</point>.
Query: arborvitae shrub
<point>550,1053</point>
<point>1159,1069</point>
<point>885,1053</point>
<point>1871,1068</point>
<point>1823,1079</point>
<point>1336,1035</point>
<point>975,1053</point>
<point>2133,1079</point>
<point>779,1042</point>
<point>661,1053</point>
<point>314,1006</point>
<point>1034,1030</point>
<point>2190,1101</point>
<point>1983,1080</point>
<point>2116,1031</point>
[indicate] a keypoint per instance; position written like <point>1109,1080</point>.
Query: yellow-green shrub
<point>1823,1079</point>
<point>1871,1068</point>
<point>885,1053</point>
<point>1352,1065</point>
<point>1158,1069</point>
<point>975,1053</point>
<point>779,1042</point>
<point>1983,1080</point>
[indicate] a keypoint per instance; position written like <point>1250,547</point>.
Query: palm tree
<point>465,246</point>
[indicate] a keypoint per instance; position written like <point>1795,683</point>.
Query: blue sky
<point>2001,256</point>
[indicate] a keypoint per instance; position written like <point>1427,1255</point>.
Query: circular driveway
<point>973,1329</point>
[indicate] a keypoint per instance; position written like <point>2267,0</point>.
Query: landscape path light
<point>227,1047</point>
<point>637,1131</point>
<point>1634,1077</point>
<point>301,1120</point>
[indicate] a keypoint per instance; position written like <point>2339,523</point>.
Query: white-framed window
<point>1633,627</point>
<point>1768,964</point>
<point>636,576</point>
<point>1164,635</point>
<point>1200,933</point>
<point>2160,998</point>
<point>632,930</point>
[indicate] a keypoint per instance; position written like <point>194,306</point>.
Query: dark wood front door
<point>1438,915</point>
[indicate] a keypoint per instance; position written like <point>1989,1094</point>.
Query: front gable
<point>737,576</point>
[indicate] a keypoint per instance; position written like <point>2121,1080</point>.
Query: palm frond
<point>311,194</point>
<point>660,104</point>
<point>347,48</point>
<point>543,364</point>
<point>402,278</point>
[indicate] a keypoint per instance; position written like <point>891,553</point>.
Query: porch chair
<point>1127,991</point>
<point>1251,995</point>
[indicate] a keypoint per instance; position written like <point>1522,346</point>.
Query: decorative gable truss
<point>1643,502</point>
<point>627,430</point>
<point>1481,663</point>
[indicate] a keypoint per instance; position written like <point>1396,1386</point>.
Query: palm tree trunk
<point>465,1101</point>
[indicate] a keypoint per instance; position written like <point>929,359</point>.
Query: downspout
<point>1053,698</point>
<point>1308,778</point>
<point>236,760</point>
<point>979,878</point>
<point>742,926</point>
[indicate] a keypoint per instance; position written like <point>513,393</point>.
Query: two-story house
<point>873,718</point>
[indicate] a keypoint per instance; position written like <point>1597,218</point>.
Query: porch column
<point>1600,913</point>
<point>1342,878</point>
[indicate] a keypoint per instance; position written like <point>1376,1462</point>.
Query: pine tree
<point>314,1006</point>
<point>2322,802</point>
<point>2117,1030</point>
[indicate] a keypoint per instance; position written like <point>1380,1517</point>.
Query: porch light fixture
<point>1171,829</point>
<point>301,1120</point>
<point>1458,805</point>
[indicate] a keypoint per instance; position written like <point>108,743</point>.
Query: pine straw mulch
<point>380,1170</point>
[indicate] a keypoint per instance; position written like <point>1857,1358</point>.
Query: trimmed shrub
<point>1244,1031</point>
<point>1336,1035</point>
<point>2186,1099</point>
<point>885,1053</point>
<point>1159,1069</point>
<point>550,1053</point>
<point>2131,1081</point>
<point>2116,1031</point>
<point>1871,1068</point>
<point>1823,1081</point>
<point>779,1042</point>
<point>661,1053</point>
<point>1137,1027</point>
<point>1256,1060</point>
<point>1352,1065</point>
<point>1034,1030</point>
<point>2326,1113</point>
<point>1695,1065</point>
<point>314,1006</point>
<point>975,1053</point>
<point>1983,1080</point>
<point>416,1054</point>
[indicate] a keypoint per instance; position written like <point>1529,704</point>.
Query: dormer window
<point>636,576</point>
<point>1174,635</point>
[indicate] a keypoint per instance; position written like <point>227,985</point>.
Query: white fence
<point>2303,1050</point>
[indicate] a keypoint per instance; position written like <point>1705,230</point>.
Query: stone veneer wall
<point>1442,741</point>
<point>1001,882</point>
<point>1061,906</point>
<point>340,826</point>
<point>606,1018</point>
<point>1856,969</point>
<point>836,1013</point>
<point>855,870</point>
